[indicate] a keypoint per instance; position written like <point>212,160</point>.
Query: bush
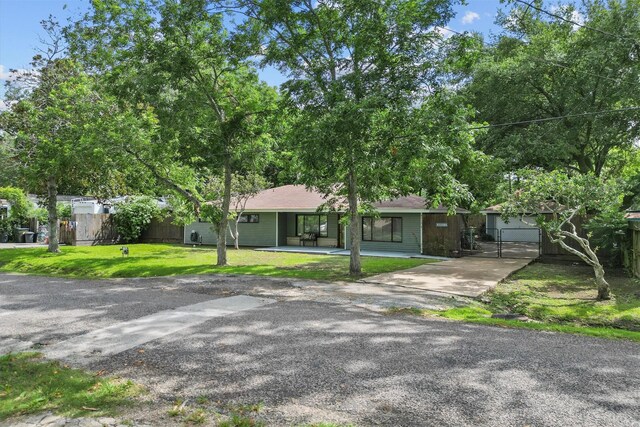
<point>6,227</point>
<point>134,216</point>
<point>20,204</point>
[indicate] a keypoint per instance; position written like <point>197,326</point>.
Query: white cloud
<point>469,17</point>
<point>7,74</point>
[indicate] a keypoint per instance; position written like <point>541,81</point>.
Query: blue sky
<point>20,28</point>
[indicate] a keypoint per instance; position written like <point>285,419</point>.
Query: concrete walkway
<point>86,349</point>
<point>468,277</point>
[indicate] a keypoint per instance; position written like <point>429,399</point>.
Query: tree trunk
<point>224,219</point>
<point>236,237</point>
<point>589,257</point>
<point>52,209</point>
<point>604,293</point>
<point>355,267</point>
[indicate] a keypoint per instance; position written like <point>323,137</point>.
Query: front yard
<point>147,260</point>
<point>557,298</point>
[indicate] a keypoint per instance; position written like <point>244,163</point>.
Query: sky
<point>20,29</point>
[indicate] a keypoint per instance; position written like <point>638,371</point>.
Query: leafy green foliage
<point>133,216</point>
<point>212,109</point>
<point>558,200</point>
<point>64,211</point>
<point>20,205</point>
<point>361,125</point>
<point>29,385</point>
<point>544,68</point>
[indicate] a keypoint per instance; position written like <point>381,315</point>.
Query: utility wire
<point>554,63</point>
<point>547,119</point>
<point>569,21</point>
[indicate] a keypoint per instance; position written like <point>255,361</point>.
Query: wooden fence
<point>99,229</point>
<point>163,232</point>
<point>89,230</point>
<point>441,234</point>
<point>553,249</point>
<point>634,226</point>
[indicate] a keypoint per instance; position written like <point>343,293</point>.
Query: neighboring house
<point>88,205</point>
<point>518,229</point>
<point>280,216</point>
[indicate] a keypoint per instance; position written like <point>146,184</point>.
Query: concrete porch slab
<point>301,249</point>
<point>340,251</point>
<point>468,277</point>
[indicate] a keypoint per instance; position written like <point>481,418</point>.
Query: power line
<point>546,119</point>
<point>465,34</point>
<point>569,21</point>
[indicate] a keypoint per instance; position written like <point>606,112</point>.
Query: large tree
<point>359,72</point>
<point>176,57</point>
<point>569,89</point>
<point>66,136</point>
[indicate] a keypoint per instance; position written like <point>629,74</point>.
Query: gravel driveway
<point>324,353</point>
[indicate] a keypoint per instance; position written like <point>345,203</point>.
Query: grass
<point>558,298</point>
<point>30,385</point>
<point>147,260</point>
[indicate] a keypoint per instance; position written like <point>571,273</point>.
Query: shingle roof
<point>298,197</point>
<point>633,216</point>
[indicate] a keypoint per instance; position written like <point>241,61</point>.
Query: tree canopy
<point>561,94</point>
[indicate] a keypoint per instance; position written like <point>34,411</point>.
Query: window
<point>381,229</point>
<point>249,218</point>
<point>317,224</point>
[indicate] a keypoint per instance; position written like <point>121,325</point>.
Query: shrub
<point>20,204</point>
<point>133,216</point>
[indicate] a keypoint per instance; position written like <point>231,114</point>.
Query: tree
<point>358,74</point>
<point>213,111</point>
<point>67,134</point>
<point>570,92</point>
<point>567,197</point>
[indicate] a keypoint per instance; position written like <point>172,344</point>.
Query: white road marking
<point>123,336</point>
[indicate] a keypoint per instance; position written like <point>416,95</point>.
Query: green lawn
<point>30,385</point>
<point>146,260</point>
<point>558,298</point>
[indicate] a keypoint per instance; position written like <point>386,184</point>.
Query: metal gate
<point>520,243</point>
<point>502,242</point>
<point>481,242</point>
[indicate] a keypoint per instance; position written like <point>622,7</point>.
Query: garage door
<point>517,230</point>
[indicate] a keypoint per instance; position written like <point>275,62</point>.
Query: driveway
<point>312,353</point>
<point>467,276</point>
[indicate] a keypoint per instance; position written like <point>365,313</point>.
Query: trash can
<point>28,236</point>
<point>18,234</point>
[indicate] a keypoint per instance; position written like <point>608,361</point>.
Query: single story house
<point>283,216</point>
<point>518,229</point>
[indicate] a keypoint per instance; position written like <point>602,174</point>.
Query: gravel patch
<point>325,353</point>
